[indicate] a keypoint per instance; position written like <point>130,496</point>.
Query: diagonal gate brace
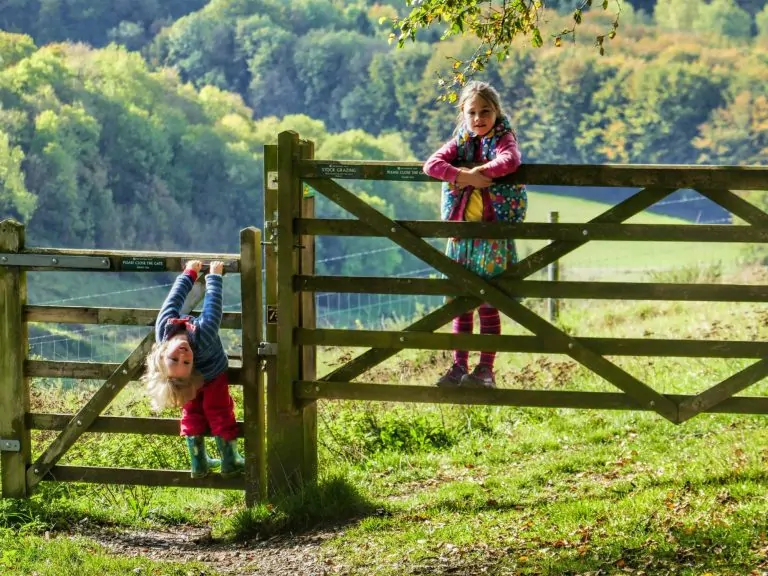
<point>533,263</point>
<point>488,292</point>
<point>125,373</point>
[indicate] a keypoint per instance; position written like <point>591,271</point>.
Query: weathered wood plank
<point>111,424</point>
<point>611,175</point>
<point>123,261</point>
<point>539,289</point>
<point>270,246</point>
<point>88,370</point>
<point>489,292</point>
<point>531,344</point>
<point>736,205</point>
<point>142,477</point>
<point>14,389</point>
<point>127,371</point>
<point>285,422</point>
<point>116,316</point>
<point>533,263</point>
<point>108,424</point>
<point>251,376</point>
<point>308,367</point>
<point>544,231</point>
<point>717,394</point>
<point>289,208</point>
<point>323,390</point>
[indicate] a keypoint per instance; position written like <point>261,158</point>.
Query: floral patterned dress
<point>501,202</point>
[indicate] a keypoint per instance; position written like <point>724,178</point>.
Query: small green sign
<point>405,173</point>
<point>340,171</point>
<point>271,314</point>
<point>139,264</point>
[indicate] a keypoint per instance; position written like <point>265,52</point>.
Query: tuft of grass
<point>332,501</point>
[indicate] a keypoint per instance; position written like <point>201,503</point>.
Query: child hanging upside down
<point>187,368</point>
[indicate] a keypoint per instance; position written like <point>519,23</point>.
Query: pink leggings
<point>490,323</point>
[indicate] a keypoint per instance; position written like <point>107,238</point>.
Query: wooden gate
<point>297,390</point>
<point>280,422</point>
<point>20,472</point>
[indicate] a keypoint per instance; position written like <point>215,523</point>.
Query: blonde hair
<point>487,93</point>
<point>164,391</point>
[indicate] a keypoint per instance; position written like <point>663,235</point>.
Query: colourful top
<point>203,332</point>
<point>499,152</point>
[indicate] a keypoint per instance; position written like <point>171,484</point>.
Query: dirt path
<point>278,556</point>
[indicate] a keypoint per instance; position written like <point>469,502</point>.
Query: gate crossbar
<point>719,393</point>
<point>530,265</point>
<point>485,291</point>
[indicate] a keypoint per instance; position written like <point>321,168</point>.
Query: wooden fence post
<point>16,452</point>
<point>252,377</point>
<point>285,419</point>
<point>308,369</point>
<point>553,275</point>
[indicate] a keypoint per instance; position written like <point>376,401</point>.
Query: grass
<point>45,556</point>
<point>607,259</point>
<point>474,490</point>
<point>423,489</point>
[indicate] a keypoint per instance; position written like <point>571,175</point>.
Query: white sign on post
<point>272,180</point>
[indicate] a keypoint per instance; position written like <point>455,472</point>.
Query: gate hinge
<point>268,349</point>
<point>9,445</point>
<point>271,230</point>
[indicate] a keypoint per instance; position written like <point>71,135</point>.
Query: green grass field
<point>611,260</point>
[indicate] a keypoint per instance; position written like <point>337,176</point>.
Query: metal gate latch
<point>9,445</point>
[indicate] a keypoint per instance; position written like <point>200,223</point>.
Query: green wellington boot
<point>201,463</point>
<point>232,464</point>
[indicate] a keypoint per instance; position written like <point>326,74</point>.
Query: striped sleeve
<point>209,321</point>
<point>174,301</point>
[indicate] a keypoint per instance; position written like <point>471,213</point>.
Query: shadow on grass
<point>333,501</point>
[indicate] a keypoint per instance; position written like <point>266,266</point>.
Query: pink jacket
<point>507,160</point>
<point>440,166</point>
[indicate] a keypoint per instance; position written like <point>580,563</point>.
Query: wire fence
<point>366,311</point>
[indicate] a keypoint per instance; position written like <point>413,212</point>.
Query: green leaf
<point>536,40</point>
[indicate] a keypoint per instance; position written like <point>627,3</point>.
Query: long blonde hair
<point>487,93</point>
<point>164,391</point>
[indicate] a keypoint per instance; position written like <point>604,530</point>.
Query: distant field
<point>607,260</point>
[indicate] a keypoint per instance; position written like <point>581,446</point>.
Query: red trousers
<point>211,410</point>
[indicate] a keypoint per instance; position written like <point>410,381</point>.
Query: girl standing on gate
<point>484,136</point>
<point>187,368</point>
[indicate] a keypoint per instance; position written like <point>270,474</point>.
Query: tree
<point>736,133</point>
<point>677,14</point>
<point>15,199</point>
<point>725,18</point>
<point>761,20</point>
<point>496,24</point>
<point>330,65</point>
